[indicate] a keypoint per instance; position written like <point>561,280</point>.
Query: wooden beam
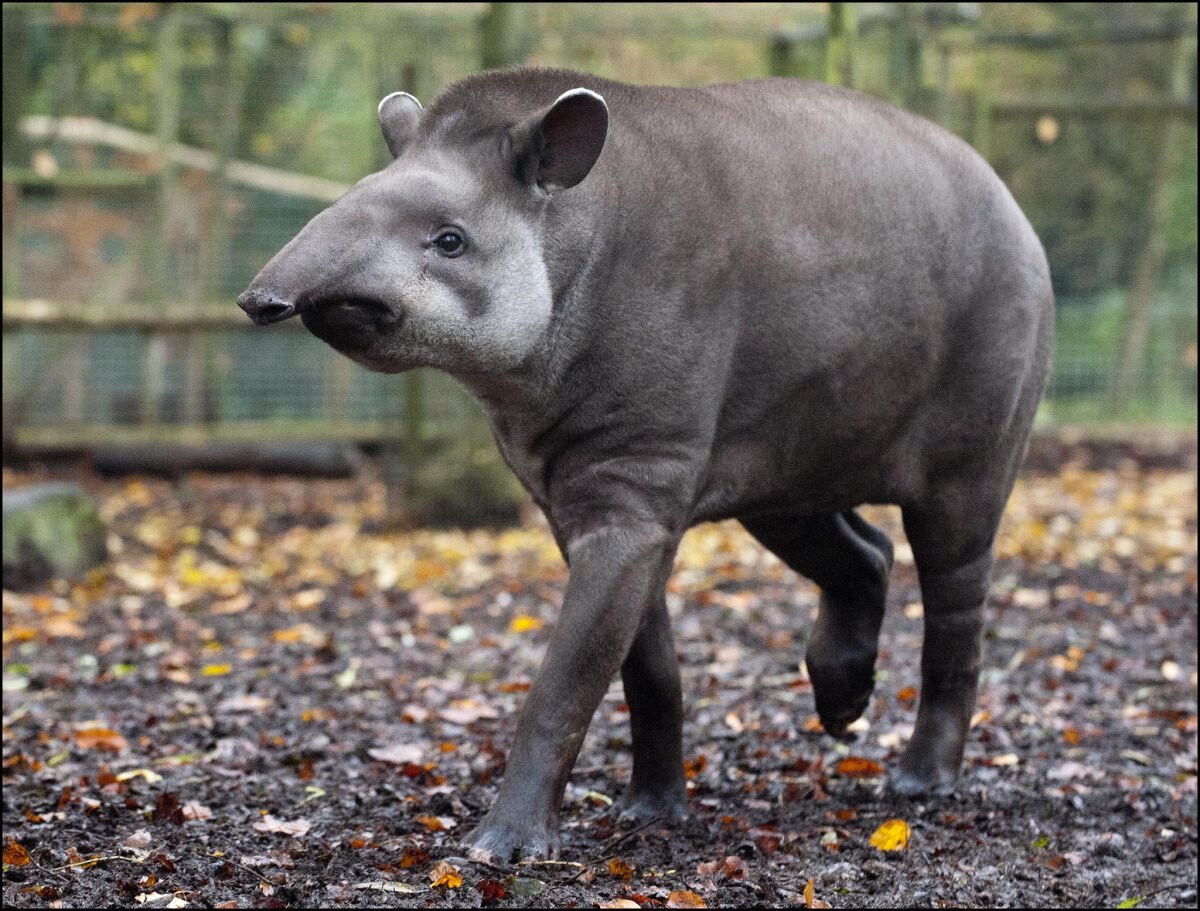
<point>1129,108</point>
<point>43,314</point>
<point>62,436</point>
<point>90,131</point>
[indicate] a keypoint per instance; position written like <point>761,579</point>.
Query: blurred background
<point>156,155</point>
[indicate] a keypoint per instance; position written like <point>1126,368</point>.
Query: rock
<point>464,483</point>
<point>50,531</point>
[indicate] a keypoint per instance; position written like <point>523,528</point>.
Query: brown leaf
<point>437,823</point>
<point>15,854</point>
<point>857,767</point>
<point>734,867</point>
<point>684,899</point>
<point>490,890</point>
<point>100,739</point>
<point>620,869</point>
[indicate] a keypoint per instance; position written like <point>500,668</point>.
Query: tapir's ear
<point>556,147</point>
<point>399,115</point>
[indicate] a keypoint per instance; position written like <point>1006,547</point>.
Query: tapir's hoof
<point>910,782</point>
<point>505,842</point>
<point>842,692</point>
<point>637,807</point>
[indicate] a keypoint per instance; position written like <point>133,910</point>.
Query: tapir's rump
<point>771,301</point>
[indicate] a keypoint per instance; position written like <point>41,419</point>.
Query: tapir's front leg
<point>618,572</point>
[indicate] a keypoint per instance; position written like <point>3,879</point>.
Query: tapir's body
<point>771,301</point>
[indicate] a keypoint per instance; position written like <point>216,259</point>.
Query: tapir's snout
<point>264,307</point>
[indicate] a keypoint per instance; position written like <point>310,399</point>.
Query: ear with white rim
<point>556,148</point>
<point>399,115</point>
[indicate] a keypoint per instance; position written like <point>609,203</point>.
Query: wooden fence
<point>922,50</point>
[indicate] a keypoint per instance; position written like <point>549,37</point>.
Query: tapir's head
<point>437,260</point>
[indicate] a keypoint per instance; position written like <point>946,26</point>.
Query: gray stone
<point>50,531</point>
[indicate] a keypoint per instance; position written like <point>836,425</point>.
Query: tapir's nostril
<point>265,308</point>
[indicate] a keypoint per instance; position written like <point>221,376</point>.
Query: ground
<point>267,699</point>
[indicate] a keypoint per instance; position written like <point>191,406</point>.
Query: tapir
<point>772,301</point>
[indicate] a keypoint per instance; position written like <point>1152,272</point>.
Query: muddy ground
<point>266,699</point>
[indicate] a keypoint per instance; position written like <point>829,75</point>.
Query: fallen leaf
<point>297,828</point>
<point>381,886</point>
<point>244,703</point>
<point>15,854</point>
<point>891,836</point>
<point>445,874</point>
<point>437,823</point>
<point>685,899</point>
<point>215,670</point>
<point>490,890</point>
<point>622,903</point>
<point>467,711</point>
<point>398,753</point>
<point>195,811</point>
<point>620,869</point>
<point>150,776</point>
<point>857,767</point>
<point>100,739</point>
<point>523,623</point>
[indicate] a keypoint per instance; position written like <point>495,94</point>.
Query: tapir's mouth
<point>334,306</point>
<point>350,323</point>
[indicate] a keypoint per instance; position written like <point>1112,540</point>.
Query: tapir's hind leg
<point>850,560</point>
<point>650,676</point>
<point>952,547</point>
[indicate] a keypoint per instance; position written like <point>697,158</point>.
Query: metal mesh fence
<point>94,223</point>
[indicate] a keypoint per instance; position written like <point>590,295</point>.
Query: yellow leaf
<point>891,836</point>
<point>685,899</point>
<point>216,670</point>
<point>445,874</point>
<point>523,623</point>
<point>810,893</point>
<point>151,777</point>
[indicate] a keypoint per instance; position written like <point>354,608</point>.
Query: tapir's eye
<point>450,243</point>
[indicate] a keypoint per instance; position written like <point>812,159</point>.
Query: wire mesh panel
<point>156,156</point>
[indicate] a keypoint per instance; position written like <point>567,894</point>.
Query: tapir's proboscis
<point>772,301</point>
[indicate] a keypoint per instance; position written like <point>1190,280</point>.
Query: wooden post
<point>1139,306</point>
<point>231,75</point>
<point>904,57</point>
<point>154,372</point>
<point>839,45</point>
<point>944,98</point>
<point>16,148</point>
<point>167,52</point>
<point>981,102</point>
<point>781,59</point>
<point>497,36</point>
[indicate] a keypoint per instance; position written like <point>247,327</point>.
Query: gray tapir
<point>771,301</point>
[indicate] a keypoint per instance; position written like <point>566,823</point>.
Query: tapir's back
<point>821,274</point>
